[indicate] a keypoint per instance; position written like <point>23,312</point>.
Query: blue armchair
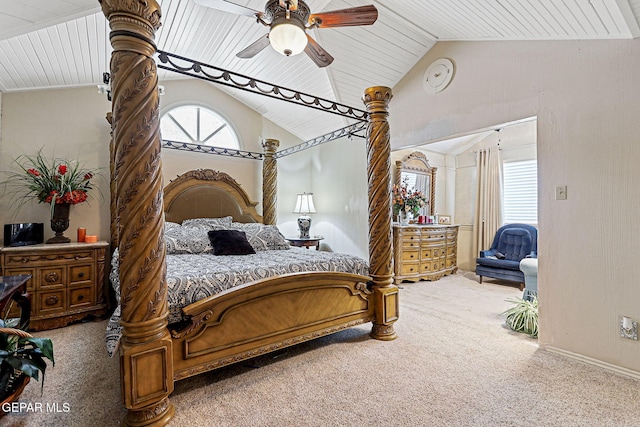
<point>511,244</point>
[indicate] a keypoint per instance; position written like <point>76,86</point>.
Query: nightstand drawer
<point>80,274</point>
<point>80,297</point>
<point>21,271</point>
<point>50,301</point>
<point>51,277</point>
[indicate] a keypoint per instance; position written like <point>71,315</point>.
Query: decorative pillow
<point>262,237</point>
<point>187,240</point>
<point>208,222</point>
<point>230,242</point>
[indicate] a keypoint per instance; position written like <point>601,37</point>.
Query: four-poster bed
<point>238,323</point>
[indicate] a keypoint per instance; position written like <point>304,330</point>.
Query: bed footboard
<point>267,315</point>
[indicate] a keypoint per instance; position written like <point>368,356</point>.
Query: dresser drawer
<point>410,255</point>
<point>51,277</point>
<point>432,266</point>
<point>80,274</point>
<point>50,301</point>
<point>409,268</point>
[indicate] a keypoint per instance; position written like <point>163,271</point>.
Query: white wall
<point>586,98</point>
<point>70,123</point>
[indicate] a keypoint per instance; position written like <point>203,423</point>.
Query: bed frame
<point>249,320</point>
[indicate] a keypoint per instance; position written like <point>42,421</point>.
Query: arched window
<point>197,125</point>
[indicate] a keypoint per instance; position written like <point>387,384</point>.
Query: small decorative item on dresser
<point>82,234</point>
<point>58,182</point>
<point>444,219</point>
<point>91,238</point>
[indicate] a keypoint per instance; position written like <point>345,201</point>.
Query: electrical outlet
<point>561,192</point>
<point>628,328</point>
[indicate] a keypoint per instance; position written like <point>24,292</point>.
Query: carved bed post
<point>269,182</point>
<point>112,188</point>
<point>146,365</point>
<point>376,100</point>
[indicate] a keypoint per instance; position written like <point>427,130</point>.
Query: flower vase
<point>404,218</point>
<point>60,222</point>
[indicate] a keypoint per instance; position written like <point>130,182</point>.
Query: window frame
<point>229,124</point>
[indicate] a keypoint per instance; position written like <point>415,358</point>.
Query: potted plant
<point>22,357</point>
<point>59,182</point>
<point>523,316</point>
<point>406,201</point>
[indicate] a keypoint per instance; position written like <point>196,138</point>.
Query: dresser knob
<point>51,277</point>
<point>80,297</point>
<point>81,275</point>
<point>52,300</point>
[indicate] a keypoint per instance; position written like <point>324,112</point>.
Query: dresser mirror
<point>414,169</point>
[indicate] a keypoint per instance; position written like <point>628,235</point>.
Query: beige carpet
<point>454,364</point>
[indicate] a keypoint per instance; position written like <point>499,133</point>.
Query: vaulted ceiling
<point>58,43</point>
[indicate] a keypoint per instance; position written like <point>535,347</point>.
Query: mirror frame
<point>417,162</point>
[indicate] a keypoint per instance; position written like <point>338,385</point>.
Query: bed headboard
<point>205,193</point>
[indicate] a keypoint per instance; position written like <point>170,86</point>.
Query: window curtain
<point>488,213</point>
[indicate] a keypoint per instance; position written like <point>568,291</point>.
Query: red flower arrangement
<point>53,181</point>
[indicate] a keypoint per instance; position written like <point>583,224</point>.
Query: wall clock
<point>438,75</point>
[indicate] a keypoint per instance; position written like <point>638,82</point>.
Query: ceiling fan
<point>288,21</point>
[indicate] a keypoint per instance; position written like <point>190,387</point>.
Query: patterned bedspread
<point>192,277</point>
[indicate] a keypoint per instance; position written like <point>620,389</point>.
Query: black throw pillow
<point>230,242</point>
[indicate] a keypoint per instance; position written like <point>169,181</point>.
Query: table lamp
<point>304,206</point>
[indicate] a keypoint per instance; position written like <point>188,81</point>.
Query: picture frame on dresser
<point>444,219</point>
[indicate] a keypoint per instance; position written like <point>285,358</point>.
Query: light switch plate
<point>561,192</point>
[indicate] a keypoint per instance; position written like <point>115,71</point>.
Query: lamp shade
<point>304,204</point>
<point>288,37</point>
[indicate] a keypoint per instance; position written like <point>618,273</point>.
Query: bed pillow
<point>168,225</point>
<point>262,237</point>
<point>230,242</point>
<point>186,240</point>
<point>208,222</point>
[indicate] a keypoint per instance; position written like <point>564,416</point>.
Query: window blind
<point>520,195</point>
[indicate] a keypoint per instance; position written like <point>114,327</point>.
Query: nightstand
<point>305,241</point>
<point>68,280</point>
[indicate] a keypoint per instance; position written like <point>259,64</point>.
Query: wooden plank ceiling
<point>59,43</point>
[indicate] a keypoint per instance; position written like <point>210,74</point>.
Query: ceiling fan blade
<point>227,6</point>
<point>362,15</point>
<point>317,53</point>
<point>254,48</point>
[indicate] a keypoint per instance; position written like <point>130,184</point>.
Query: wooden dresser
<point>424,252</point>
<point>67,284</point>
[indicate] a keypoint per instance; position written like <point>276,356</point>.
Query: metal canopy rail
<point>348,131</point>
<point>229,78</point>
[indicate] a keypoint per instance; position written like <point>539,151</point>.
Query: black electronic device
<point>23,234</point>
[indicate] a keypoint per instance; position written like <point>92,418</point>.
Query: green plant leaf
<point>523,316</point>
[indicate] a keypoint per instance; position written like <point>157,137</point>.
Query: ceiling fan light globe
<point>288,38</point>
